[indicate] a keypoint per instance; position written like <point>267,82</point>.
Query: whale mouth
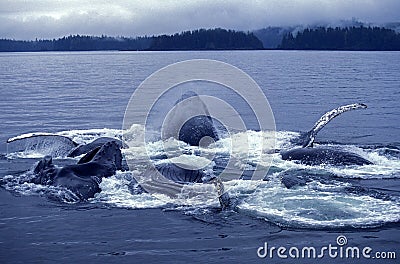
<point>332,196</point>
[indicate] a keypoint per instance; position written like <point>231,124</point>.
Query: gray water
<point>53,92</point>
<point>60,91</point>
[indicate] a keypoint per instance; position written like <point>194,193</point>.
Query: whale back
<point>97,143</point>
<point>323,155</point>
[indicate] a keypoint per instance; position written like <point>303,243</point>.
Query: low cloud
<point>31,19</point>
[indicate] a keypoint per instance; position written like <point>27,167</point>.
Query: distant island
<point>320,38</point>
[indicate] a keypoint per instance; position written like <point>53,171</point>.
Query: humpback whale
<point>83,178</point>
<point>97,143</point>
<point>324,155</point>
<point>190,122</point>
<point>59,144</point>
<point>309,155</point>
<point>183,174</point>
<point>103,157</point>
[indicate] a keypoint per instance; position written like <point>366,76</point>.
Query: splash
<point>323,202</point>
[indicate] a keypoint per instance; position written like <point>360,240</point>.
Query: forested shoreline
<point>352,38</point>
<point>202,39</point>
<point>321,38</point>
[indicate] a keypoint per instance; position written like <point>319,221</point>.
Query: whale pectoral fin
<point>45,143</point>
<point>309,137</point>
<point>42,135</point>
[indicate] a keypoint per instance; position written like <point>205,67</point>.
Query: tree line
<point>202,39</point>
<point>321,38</point>
<point>75,43</point>
<point>207,39</point>
<point>349,38</point>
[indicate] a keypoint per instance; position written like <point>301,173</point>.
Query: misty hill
<point>352,38</point>
<point>203,39</point>
<point>271,37</point>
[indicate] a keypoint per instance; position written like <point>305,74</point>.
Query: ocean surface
<point>83,95</point>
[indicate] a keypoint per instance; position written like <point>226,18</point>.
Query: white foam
<point>382,166</point>
<point>116,191</point>
<point>309,208</point>
<point>85,136</point>
<point>196,161</point>
<point>31,189</point>
<point>314,205</point>
<point>27,155</point>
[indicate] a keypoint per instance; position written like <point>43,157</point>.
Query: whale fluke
<point>326,118</point>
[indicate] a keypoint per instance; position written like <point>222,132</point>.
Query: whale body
<point>82,179</point>
<point>323,155</point>
<point>185,174</point>
<point>190,122</point>
<point>97,143</point>
<point>309,155</point>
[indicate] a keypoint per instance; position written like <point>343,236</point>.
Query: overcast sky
<point>29,19</point>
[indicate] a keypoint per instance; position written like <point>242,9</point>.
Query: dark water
<point>75,92</point>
